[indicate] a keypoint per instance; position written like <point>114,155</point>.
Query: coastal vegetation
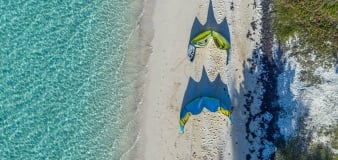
<point>315,22</point>
<point>315,26</point>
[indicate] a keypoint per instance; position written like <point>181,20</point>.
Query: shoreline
<point>146,32</point>
<point>136,69</point>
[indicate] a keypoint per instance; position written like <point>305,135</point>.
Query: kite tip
<point>182,129</point>
<point>231,119</point>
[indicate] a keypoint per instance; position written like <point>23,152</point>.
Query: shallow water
<point>62,79</point>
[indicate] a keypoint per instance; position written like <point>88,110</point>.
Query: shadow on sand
<point>257,112</point>
<point>205,87</point>
<point>260,111</point>
<point>211,23</point>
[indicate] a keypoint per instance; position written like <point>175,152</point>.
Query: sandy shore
<point>208,135</point>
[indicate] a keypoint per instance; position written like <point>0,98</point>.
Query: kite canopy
<point>202,39</point>
<point>195,107</point>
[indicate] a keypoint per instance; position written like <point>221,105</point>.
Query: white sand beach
<point>207,135</point>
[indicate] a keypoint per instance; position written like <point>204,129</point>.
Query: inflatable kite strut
<point>202,39</point>
<point>196,106</point>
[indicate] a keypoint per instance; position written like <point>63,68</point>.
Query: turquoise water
<point>63,82</point>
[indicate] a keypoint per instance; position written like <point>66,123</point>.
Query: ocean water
<point>63,79</point>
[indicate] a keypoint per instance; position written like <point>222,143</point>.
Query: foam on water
<point>63,81</point>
